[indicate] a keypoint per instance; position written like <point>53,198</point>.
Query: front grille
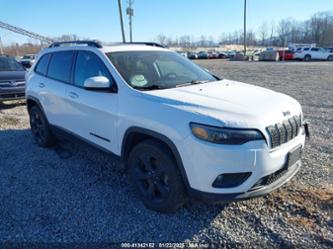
<point>12,95</point>
<point>13,83</point>
<point>283,132</point>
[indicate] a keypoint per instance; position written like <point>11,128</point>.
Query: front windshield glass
<point>28,57</point>
<point>9,64</point>
<point>148,70</point>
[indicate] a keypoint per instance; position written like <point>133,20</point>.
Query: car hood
<point>233,103</point>
<point>12,75</point>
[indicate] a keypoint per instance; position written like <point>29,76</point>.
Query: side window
<point>60,66</point>
<point>314,49</point>
<point>89,65</point>
<point>42,64</point>
<point>306,49</point>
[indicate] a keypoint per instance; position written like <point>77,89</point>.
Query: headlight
<point>225,135</point>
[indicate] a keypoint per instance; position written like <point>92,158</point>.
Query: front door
<point>92,114</point>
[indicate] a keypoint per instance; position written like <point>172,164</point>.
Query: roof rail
<point>153,44</point>
<point>79,42</point>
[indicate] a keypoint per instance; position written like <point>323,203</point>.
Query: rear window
<point>60,66</point>
<point>42,64</point>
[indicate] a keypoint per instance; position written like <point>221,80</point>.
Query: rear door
<point>54,70</point>
<point>323,54</point>
<point>315,54</point>
<point>93,113</point>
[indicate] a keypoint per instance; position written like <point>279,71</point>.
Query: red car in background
<point>286,55</point>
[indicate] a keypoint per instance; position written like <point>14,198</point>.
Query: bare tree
<point>272,30</point>
<point>263,32</point>
<point>162,39</point>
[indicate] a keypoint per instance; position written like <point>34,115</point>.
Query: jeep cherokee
<point>180,131</point>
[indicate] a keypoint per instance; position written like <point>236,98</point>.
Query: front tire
<point>155,177</point>
<point>307,57</point>
<point>40,128</point>
<point>330,58</point>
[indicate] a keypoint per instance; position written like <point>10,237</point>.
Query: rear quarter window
<point>41,67</point>
<point>60,66</point>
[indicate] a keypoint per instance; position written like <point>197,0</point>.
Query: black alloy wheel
<point>40,128</point>
<point>155,176</point>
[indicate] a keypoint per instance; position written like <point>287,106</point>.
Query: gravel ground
<point>73,193</point>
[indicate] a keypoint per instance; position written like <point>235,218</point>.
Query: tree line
<point>318,29</point>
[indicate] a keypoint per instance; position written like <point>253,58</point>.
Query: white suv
<point>181,131</point>
<point>308,54</point>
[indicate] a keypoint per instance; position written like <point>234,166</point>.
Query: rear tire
<point>40,127</point>
<point>330,58</point>
<point>307,57</point>
<point>155,177</point>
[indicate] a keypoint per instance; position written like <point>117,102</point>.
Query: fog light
<point>230,180</point>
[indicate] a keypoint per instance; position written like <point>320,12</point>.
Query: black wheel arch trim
<point>162,138</point>
<point>36,100</point>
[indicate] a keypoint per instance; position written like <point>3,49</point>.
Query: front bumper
<point>204,161</point>
<point>12,93</point>
<point>253,192</point>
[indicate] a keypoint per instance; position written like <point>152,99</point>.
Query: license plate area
<point>293,156</point>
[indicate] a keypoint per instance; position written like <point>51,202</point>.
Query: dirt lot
<point>73,193</point>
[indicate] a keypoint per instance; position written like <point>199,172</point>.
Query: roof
<point>112,47</point>
<point>122,48</point>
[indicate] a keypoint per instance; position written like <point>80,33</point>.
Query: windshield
<point>28,57</point>
<point>9,64</point>
<point>157,69</point>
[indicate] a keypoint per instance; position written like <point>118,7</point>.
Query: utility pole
<point>130,13</point>
<point>121,21</point>
<point>244,29</point>
<point>1,50</point>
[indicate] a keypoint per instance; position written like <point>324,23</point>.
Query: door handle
<point>41,85</point>
<point>73,95</point>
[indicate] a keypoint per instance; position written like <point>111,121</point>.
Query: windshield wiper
<point>152,87</point>
<point>193,82</point>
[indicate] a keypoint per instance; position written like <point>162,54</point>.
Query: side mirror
<point>97,83</point>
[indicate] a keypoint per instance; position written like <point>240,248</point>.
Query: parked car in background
<point>12,79</point>
<point>329,50</point>
<point>182,53</point>
<point>308,54</point>
<point>212,55</point>
<point>202,55</point>
<point>286,55</point>
<point>231,54</point>
<point>222,55</point>
<point>192,55</point>
<point>28,60</point>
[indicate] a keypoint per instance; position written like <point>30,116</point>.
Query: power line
<point>25,32</point>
